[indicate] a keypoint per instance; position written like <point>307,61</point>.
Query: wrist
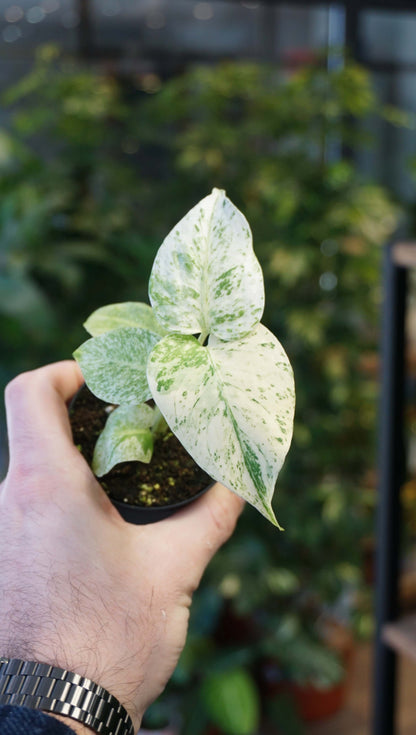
<point>77,727</point>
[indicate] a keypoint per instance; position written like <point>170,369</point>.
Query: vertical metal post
<point>85,31</point>
<point>353,49</point>
<point>352,30</point>
<point>391,467</point>
<point>268,26</point>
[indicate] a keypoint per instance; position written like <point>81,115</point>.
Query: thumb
<point>193,535</point>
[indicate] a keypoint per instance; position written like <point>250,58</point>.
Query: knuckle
<point>15,387</point>
<point>18,387</point>
<point>223,516</point>
<point>25,486</point>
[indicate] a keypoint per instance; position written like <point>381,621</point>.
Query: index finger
<point>37,416</point>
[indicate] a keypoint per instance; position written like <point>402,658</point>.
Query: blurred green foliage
<point>72,209</point>
<point>94,172</point>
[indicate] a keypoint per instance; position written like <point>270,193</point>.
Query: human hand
<point>79,587</point>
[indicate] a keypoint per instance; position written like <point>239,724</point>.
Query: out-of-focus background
<point>116,117</point>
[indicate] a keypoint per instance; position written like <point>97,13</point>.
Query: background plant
<point>124,163</point>
<point>71,208</point>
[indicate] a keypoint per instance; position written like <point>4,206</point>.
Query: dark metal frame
<point>391,474</point>
<point>354,4</point>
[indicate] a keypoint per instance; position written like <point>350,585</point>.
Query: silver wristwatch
<point>49,688</point>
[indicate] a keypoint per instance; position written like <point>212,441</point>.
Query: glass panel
<point>388,40</point>
<point>25,24</point>
<point>390,158</point>
<point>389,36</point>
<point>194,30</point>
<point>163,30</point>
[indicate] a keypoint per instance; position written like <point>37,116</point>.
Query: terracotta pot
<point>314,703</point>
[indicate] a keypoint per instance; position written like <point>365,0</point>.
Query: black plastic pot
<point>140,514</point>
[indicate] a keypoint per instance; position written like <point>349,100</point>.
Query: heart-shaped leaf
<point>231,405</point>
<point>126,438</point>
<point>128,314</point>
<point>205,277</point>
<point>114,364</point>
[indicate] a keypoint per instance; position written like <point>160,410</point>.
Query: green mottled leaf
<point>114,364</point>
<point>128,314</point>
<point>231,405</point>
<point>205,277</point>
<point>126,438</point>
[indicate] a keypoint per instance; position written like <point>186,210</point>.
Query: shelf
<point>404,254</point>
<point>401,635</point>
<point>392,637</point>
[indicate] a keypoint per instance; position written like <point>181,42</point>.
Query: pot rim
<point>156,508</point>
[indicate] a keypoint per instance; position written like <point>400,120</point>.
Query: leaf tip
<point>218,192</point>
<point>269,514</point>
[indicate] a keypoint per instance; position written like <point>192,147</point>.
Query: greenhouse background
<point>115,118</point>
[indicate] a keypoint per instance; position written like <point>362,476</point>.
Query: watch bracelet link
<point>45,687</point>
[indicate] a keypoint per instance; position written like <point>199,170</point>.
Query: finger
<point>195,534</point>
<point>37,416</point>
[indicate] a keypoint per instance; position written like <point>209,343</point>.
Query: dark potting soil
<point>170,477</point>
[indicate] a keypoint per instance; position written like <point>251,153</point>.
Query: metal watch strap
<point>49,688</point>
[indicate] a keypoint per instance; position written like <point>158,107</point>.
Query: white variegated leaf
<point>128,314</point>
<point>114,364</point>
<point>205,277</point>
<point>126,438</point>
<point>231,405</point>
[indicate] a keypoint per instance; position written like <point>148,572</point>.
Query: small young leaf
<point>205,277</point>
<point>129,314</point>
<point>114,364</point>
<point>126,437</point>
<point>231,405</point>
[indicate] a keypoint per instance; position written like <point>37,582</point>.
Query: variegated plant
<point>220,381</point>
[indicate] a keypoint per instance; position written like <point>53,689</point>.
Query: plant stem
<point>202,337</point>
<point>160,425</point>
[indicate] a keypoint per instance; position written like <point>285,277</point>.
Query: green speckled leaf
<point>114,364</point>
<point>128,314</point>
<point>231,404</point>
<point>126,438</point>
<point>206,277</point>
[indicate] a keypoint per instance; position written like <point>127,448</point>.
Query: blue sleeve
<point>21,721</point>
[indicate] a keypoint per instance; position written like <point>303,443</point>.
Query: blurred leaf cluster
<point>93,173</point>
<point>72,229</point>
<point>276,143</point>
